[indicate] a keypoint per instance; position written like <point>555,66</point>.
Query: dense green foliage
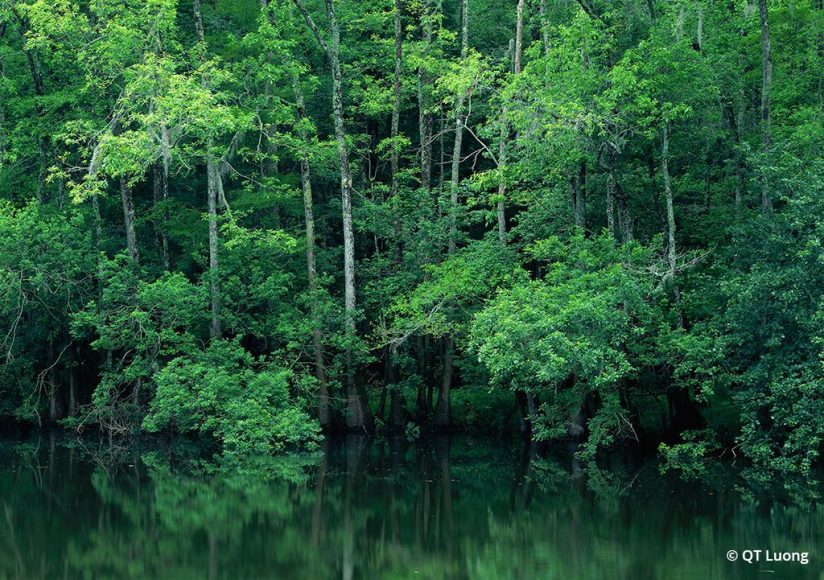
<point>593,220</point>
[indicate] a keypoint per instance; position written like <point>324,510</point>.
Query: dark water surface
<point>459,508</point>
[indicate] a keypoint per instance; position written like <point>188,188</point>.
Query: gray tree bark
<point>396,418</point>
<point>358,414</point>
<point>766,132</point>
<point>214,184</point>
<point>425,118</point>
<point>671,250</point>
<point>160,179</point>
<point>309,217</point>
<point>127,203</point>
<point>443,415</point>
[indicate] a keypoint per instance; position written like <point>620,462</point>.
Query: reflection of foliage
<point>387,509</point>
<point>691,456</point>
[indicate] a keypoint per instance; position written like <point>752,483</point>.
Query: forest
<point>262,221</point>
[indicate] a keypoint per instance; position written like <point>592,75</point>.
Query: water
<point>460,508</point>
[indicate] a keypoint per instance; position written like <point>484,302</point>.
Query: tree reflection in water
<point>360,508</point>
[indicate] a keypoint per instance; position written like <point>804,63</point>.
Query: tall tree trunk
<point>501,206</point>
<point>443,408</point>
<point>766,133</point>
<point>396,416</point>
<point>359,416</point>
<point>128,220</point>
<point>580,196</point>
<point>611,206</point>
<point>456,151</point>
<point>504,137</point>
<point>425,118</point>
<point>214,185</point>
<point>519,36</point>
<point>160,181</point>
<point>544,25</point>
<point>425,130</point>
<point>36,74</point>
<point>734,118</point>
<point>671,250</point>
<point>624,214</point>
<point>51,379</point>
<point>213,178</point>
<point>324,415</point>
<point>309,216</point>
<point>72,391</point>
<point>615,193</point>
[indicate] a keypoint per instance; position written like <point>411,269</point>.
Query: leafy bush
<point>224,392</point>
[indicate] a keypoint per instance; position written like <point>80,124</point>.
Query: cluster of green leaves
<point>222,391</point>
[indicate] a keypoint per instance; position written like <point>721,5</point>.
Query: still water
<point>446,508</point>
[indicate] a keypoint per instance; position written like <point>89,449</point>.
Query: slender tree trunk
<point>671,249</point>
<point>308,211</point>
<point>213,178</point>
<point>324,416</point>
<point>160,180</point>
<point>501,206</point>
<point>52,385</point>
<point>624,214</point>
<point>425,130</point>
<point>615,193</point>
<point>544,26</point>
<point>443,408</point>
<point>766,132</point>
<point>735,123</point>
<point>441,157</point>
<point>425,120</point>
<point>72,391</point>
<point>214,185</point>
<point>420,400</point>
<point>519,36</point>
<point>396,91</point>
<point>456,151</point>
<point>504,137</point>
<point>198,20</point>
<point>358,416</point>
<point>611,206</point>
<point>36,74</point>
<point>128,220</point>
<point>577,189</point>
<point>396,417</point>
